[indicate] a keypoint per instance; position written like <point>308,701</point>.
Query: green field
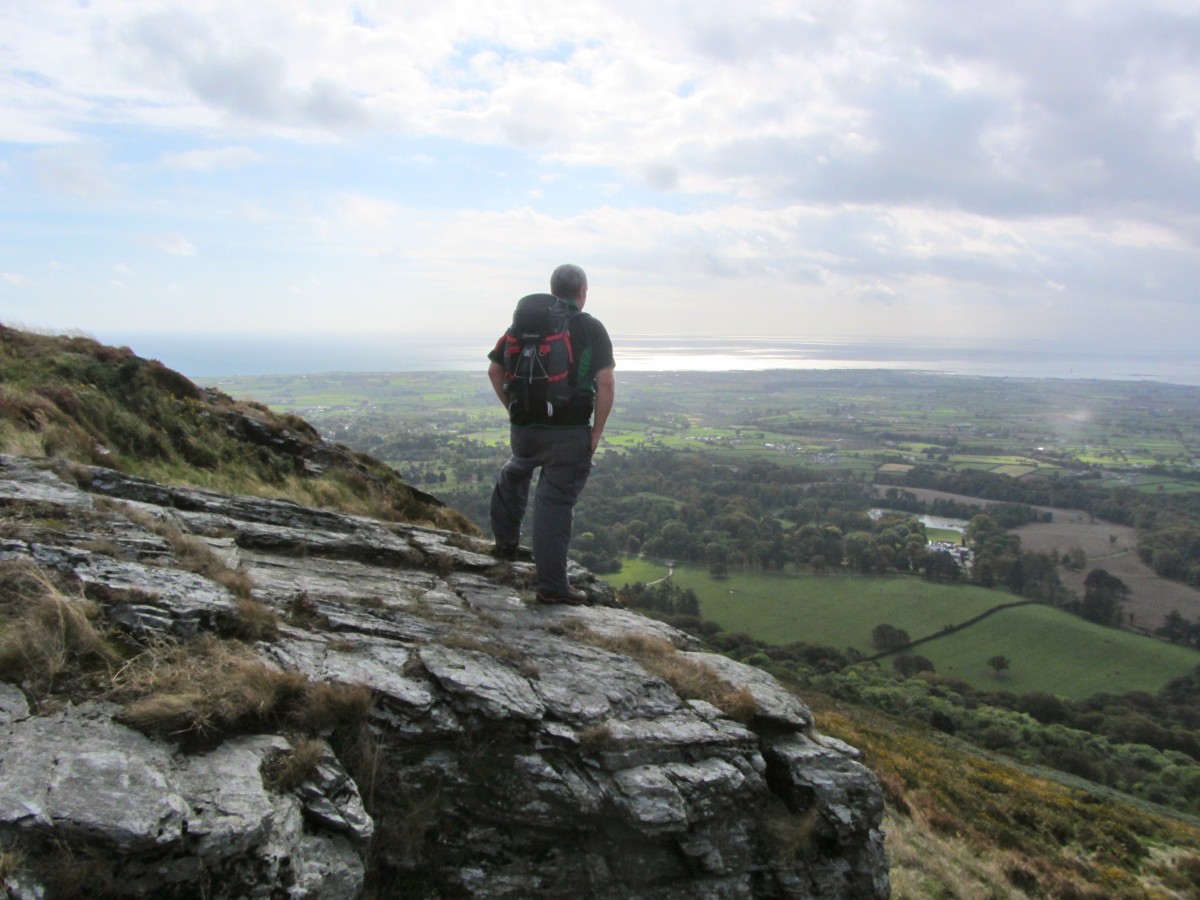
<point>637,569</point>
<point>834,610</point>
<point>1056,653</point>
<point>1049,650</point>
<point>943,534</point>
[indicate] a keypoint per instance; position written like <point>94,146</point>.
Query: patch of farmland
<point>1013,470</point>
<point>1151,597</point>
<point>928,496</point>
<point>1113,548</point>
<point>1057,653</point>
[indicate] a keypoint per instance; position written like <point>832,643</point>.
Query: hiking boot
<point>571,598</point>
<point>509,552</point>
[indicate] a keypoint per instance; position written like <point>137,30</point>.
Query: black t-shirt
<point>592,350</point>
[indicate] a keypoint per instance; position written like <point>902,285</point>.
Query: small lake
<point>959,525</point>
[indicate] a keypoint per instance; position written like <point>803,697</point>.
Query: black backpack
<point>538,358</point>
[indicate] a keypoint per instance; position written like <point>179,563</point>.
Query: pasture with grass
<point>1049,650</point>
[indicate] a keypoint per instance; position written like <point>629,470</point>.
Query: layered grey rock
<point>511,751</point>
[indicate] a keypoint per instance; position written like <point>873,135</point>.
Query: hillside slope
<point>76,399</point>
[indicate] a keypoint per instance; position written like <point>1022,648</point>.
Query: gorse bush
<point>962,825</point>
<point>1102,753</point>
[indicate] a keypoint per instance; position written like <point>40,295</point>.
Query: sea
<point>212,356</point>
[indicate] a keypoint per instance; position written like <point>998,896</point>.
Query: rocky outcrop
<point>507,749</point>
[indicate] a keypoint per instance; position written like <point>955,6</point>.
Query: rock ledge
<point>516,750</point>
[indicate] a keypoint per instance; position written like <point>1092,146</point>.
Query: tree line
<point>1168,524</point>
<point>682,506</point>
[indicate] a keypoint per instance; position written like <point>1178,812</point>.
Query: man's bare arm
<point>606,392</point>
<point>496,376</point>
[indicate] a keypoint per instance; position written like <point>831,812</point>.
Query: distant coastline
<point>201,356</point>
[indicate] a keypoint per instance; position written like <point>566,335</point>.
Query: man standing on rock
<point>553,372</point>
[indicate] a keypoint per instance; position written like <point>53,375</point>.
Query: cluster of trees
<point>1168,524</point>
<point>1006,515</point>
<point>1103,594</point>
<point>675,505</point>
<point>758,511</point>
<point>679,505</point>
<point>666,599</point>
<point>1145,745</point>
<point>1178,630</point>
<point>999,560</point>
<point>1172,548</point>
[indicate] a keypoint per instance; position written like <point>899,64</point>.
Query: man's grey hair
<point>568,282</point>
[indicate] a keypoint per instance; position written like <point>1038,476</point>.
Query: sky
<point>902,169</point>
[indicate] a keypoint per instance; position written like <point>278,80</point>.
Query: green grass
<point>637,569</point>
<point>943,534</point>
<point>1049,650</point>
<point>1057,653</point>
<point>833,610</point>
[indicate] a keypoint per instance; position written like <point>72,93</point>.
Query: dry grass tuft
<point>237,581</point>
<point>204,689</point>
<point>689,678</point>
<point>363,753</point>
<point>47,635</point>
<point>78,869</point>
<point>496,650</point>
<point>287,771</point>
<point>791,837</point>
<point>574,629</point>
<point>10,862</point>
<point>194,555</point>
<point>256,621</point>
<point>304,613</point>
<point>739,704</point>
<point>925,864</point>
<point>595,738</point>
<point>79,474</point>
<point>325,707</point>
<point>103,548</point>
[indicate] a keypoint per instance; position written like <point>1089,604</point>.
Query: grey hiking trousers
<point>565,457</point>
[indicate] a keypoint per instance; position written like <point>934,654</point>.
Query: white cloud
<point>212,160</point>
<point>825,157</point>
<point>77,170</point>
<point>357,211</point>
<point>174,244</point>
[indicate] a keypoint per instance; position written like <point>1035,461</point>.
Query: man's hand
<point>606,390</point>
